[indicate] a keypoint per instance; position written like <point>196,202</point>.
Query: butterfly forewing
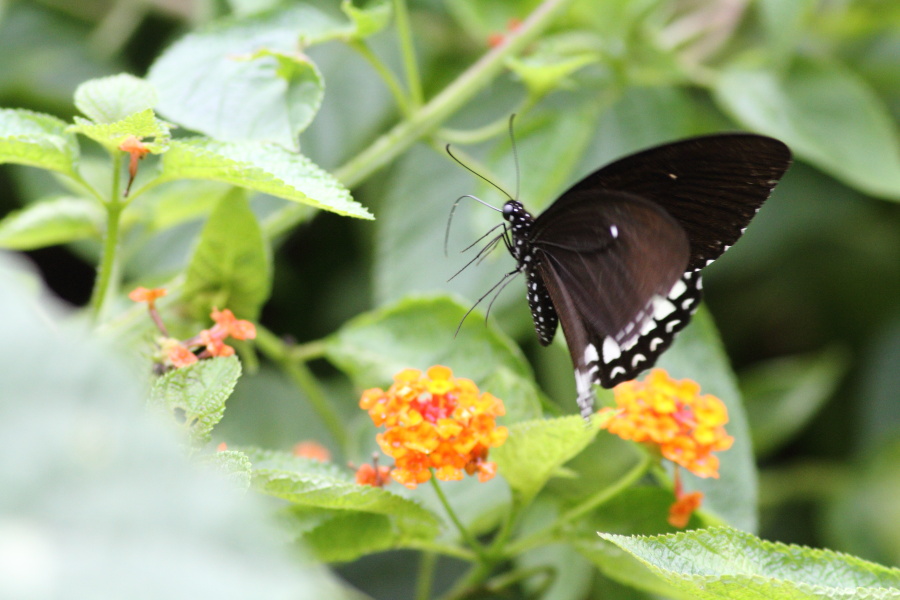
<point>712,185</point>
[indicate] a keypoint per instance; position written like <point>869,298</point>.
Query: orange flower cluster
<point>686,426</point>
<point>212,341</point>
<point>435,421</point>
<point>313,450</point>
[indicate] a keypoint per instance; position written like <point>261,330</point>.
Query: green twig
<point>425,580</point>
<point>386,75</point>
<point>408,50</point>
<point>277,350</point>
<point>108,267</point>
<point>466,535</point>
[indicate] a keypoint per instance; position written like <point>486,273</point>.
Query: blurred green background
<point>808,303</point>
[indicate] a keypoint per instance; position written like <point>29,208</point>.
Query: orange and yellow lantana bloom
<point>435,421</point>
<point>686,426</point>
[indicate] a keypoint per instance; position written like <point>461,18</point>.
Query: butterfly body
<point>616,259</point>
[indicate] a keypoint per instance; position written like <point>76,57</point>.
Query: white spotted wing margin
<point>610,266</point>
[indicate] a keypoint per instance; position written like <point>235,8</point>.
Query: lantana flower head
<point>685,425</point>
<point>433,420</point>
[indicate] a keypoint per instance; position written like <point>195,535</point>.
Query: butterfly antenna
<point>481,254</point>
<point>486,294</point>
<point>512,139</point>
<point>479,175</point>
<point>453,210</point>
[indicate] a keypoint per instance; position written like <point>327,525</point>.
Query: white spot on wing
<point>614,231</point>
<point>662,308</point>
<point>590,353</point>
<point>678,289</point>
<point>611,350</point>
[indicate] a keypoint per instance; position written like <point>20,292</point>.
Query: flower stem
<point>430,116</point>
<point>466,535</point>
<point>425,580</point>
<point>591,503</point>
<point>108,267</point>
<point>408,50</point>
<point>386,75</point>
<point>277,350</point>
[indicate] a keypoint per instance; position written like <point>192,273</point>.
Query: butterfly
<point>616,259</point>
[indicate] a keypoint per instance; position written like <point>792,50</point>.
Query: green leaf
<point>782,395</point>
<point>535,450</point>
<point>233,465</point>
<point>368,20</point>
<point>814,105</point>
<point>36,140</point>
<point>350,535</point>
<point>217,81</point>
<point>50,222</point>
<point>112,99</point>
<point>260,167</point>
<point>698,354</point>
<point>143,124</point>
<point>418,332</point>
<point>195,395</point>
<point>726,563</point>
<point>230,267</point>
<point>312,484</point>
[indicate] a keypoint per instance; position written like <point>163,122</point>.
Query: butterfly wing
<point>609,262</point>
<point>711,185</point>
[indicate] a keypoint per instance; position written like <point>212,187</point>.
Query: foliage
<point>285,161</point>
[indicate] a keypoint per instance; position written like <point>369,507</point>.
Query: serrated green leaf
<point>419,332</point>
<point>726,563</point>
<point>261,167</point>
<point>112,99</point>
<point>535,449</point>
<point>230,267</point>
<point>234,465</point>
<point>814,105</point>
<point>195,395</point>
<point>51,222</point>
<point>698,354</point>
<point>215,82</point>
<point>143,124</point>
<point>350,535</point>
<point>36,140</point>
<point>312,484</point>
<point>782,395</point>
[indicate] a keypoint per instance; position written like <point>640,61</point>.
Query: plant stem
<point>424,581</point>
<point>108,267</point>
<point>408,50</point>
<point>425,120</point>
<point>592,503</point>
<point>386,75</point>
<point>275,348</point>
<point>466,535</point>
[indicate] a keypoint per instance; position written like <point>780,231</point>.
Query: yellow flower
<point>435,421</point>
<point>673,416</point>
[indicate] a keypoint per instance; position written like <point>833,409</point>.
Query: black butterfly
<point>616,259</point>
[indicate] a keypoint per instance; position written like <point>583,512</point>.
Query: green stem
<point>425,580</point>
<point>592,503</point>
<point>108,267</point>
<point>386,75</point>
<point>408,50</point>
<point>428,118</point>
<point>466,535</point>
<point>277,350</point>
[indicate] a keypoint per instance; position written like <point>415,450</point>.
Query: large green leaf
<point>195,395</point>
<point>230,267</point>
<point>726,563</point>
<point>535,450</point>
<point>111,99</point>
<point>264,168</point>
<point>826,114</point>
<point>100,490</point>
<point>50,222</point>
<point>698,354</point>
<point>37,140</point>
<point>143,124</point>
<point>218,81</point>
<point>419,332</point>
